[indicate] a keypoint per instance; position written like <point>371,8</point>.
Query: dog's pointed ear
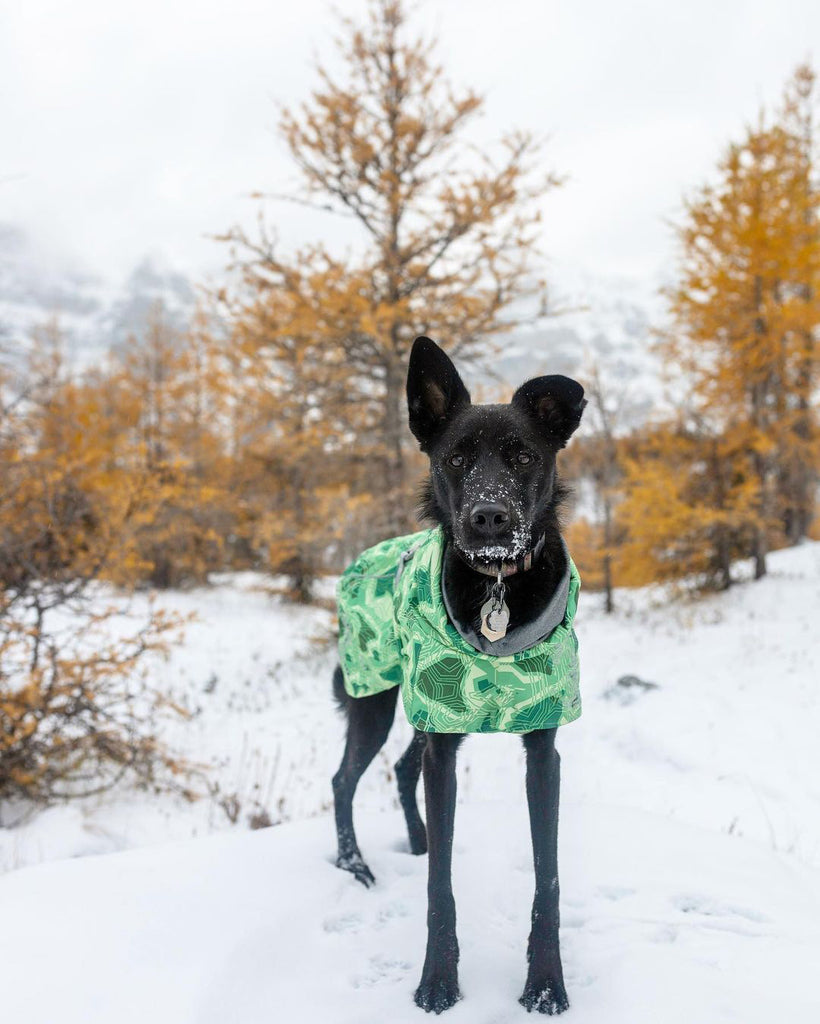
<point>435,392</point>
<point>556,402</point>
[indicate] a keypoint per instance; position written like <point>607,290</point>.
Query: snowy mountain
<point>95,314</point>
<point>34,288</point>
<point>595,321</point>
<point>690,836</point>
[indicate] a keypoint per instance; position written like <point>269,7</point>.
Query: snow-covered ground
<point>690,837</point>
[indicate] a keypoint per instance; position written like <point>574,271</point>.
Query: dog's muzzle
<point>507,568</point>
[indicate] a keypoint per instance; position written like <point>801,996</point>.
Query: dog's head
<point>492,479</point>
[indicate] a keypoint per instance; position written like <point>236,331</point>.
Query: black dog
<point>493,489</point>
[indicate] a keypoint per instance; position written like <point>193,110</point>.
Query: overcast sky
<point>140,127</point>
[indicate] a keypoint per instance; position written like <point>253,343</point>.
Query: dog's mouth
<point>491,554</point>
<point>502,552</point>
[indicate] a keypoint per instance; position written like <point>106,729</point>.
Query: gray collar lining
<point>520,638</point>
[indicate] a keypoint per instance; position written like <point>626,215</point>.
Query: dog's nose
<point>490,518</point>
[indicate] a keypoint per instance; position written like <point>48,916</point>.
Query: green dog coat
<point>394,631</point>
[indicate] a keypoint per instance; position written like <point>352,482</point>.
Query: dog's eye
<point>455,460</point>
<point>524,458</point>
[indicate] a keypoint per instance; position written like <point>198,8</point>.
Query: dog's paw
<point>437,993</point>
<point>353,863</point>
<point>548,997</point>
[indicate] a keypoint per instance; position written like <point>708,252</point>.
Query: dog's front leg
<point>544,990</point>
<point>438,989</point>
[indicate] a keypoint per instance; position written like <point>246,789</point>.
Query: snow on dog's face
<point>492,482</point>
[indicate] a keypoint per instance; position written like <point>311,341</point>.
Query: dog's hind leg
<point>408,769</point>
<point>368,723</point>
<point>544,990</point>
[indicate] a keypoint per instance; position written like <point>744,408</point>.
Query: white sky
<point>140,126</point>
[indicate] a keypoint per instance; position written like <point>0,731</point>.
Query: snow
<point>690,837</point>
<point>660,921</point>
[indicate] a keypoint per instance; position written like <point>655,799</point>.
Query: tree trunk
<point>609,605</point>
<point>804,474</point>
<point>399,514</point>
<point>301,582</point>
<point>760,541</point>
<point>722,536</point>
<point>760,461</point>
<point>724,560</point>
<point>760,553</point>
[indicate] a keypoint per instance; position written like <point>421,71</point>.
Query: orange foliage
<point>75,711</point>
<point>737,473</point>
<point>447,248</point>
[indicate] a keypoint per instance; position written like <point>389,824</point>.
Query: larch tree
<point>77,708</point>
<point>744,314</point>
<point>169,393</point>
<point>800,448</point>
<point>685,510</point>
<point>449,245</point>
<point>597,462</point>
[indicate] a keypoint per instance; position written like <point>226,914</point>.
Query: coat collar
<point>419,579</point>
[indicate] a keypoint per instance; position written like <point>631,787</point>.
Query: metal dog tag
<point>494,620</point>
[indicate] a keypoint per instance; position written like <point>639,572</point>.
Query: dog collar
<point>509,568</point>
